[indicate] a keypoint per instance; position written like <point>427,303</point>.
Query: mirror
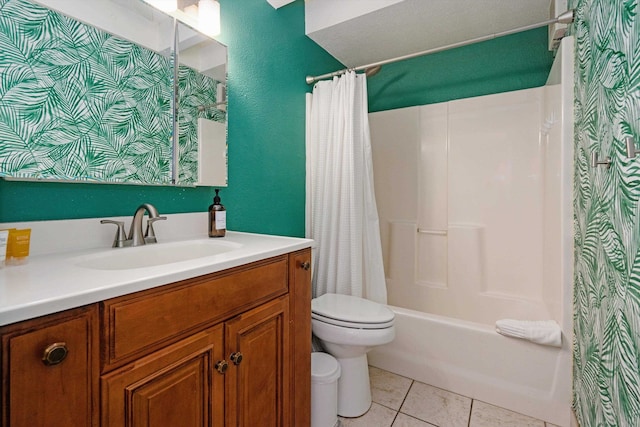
<point>87,94</point>
<point>202,109</point>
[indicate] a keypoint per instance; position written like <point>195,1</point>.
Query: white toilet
<point>348,328</point>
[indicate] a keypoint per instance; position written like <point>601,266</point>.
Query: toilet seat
<point>351,312</point>
<point>353,325</point>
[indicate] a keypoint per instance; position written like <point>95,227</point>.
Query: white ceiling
<point>279,3</point>
<point>360,32</point>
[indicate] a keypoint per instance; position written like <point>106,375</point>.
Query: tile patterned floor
<point>403,402</point>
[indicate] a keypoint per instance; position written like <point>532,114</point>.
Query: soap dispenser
<point>217,218</point>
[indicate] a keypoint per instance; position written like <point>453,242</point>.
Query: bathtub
<point>476,224</point>
<point>473,360</point>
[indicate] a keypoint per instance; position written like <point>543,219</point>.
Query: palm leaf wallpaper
<point>78,103</point>
<point>607,214</point>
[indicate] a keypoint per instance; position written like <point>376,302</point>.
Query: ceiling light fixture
<point>209,17</point>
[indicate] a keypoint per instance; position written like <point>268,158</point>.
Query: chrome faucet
<point>135,232</point>
<point>135,237</point>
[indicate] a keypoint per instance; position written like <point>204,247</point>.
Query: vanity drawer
<point>140,323</point>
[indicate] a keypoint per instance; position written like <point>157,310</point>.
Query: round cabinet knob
<point>305,265</point>
<point>222,366</point>
<point>236,358</point>
<point>55,353</point>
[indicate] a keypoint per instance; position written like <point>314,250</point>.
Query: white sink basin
<point>151,255</point>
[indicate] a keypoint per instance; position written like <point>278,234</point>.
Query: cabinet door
<point>175,386</point>
<point>300,321</point>
<point>257,388</point>
<point>50,371</point>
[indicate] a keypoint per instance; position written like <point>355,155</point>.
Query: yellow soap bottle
<point>18,246</point>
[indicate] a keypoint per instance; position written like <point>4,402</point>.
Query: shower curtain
<point>342,216</point>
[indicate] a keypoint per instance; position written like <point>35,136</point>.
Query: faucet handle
<point>121,237</point>
<point>150,235</point>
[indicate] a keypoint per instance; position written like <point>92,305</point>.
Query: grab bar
<point>432,232</point>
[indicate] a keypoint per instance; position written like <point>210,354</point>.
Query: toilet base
<point>354,390</point>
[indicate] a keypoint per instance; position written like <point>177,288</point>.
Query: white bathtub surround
<point>471,246</point>
<point>545,332</point>
<point>476,227</point>
<point>340,194</point>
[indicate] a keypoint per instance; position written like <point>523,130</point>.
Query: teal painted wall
<point>269,56</point>
<point>518,61</point>
<point>267,115</point>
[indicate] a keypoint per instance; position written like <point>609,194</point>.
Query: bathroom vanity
<point>213,341</point>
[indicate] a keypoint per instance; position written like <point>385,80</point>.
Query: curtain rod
<point>563,18</point>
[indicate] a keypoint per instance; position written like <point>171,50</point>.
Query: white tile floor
<point>403,402</point>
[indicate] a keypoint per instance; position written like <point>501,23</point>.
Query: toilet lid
<point>353,325</point>
<point>350,309</point>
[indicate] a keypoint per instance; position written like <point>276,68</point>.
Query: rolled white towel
<point>545,332</point>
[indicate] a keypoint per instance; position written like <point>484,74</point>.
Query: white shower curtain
<point>342,216</point>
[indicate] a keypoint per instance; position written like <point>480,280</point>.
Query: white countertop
<point>54,282</point>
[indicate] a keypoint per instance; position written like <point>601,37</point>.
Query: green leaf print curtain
<point>607,215</point>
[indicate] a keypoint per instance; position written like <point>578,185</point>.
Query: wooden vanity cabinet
<point>300,341</point>
<point>222,352</point>
<point>257,385</point>
<point>50,370</point>
<point>234,374</point>
<point>175,386</point>
<point>231,348</point>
